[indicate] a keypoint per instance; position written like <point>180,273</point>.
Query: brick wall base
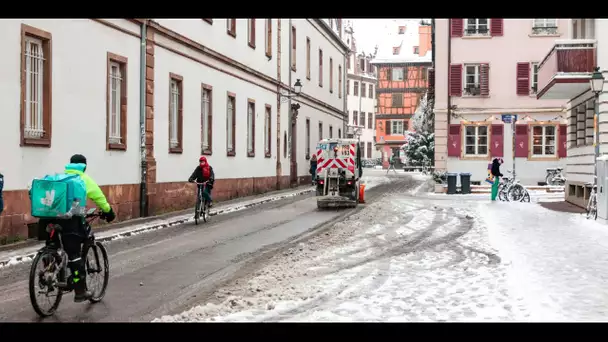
<point>124,199</point>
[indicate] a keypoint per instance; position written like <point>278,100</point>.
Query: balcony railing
<point>565,71</point>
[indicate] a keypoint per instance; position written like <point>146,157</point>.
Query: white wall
<point>177,167</point>
<point>79,83</point>
<point>366,105</point>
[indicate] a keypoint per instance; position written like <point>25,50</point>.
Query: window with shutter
<point>387,127</point>
<point>397,100</point>
<point>523,78</point>
<point>477,27</point>
<point>475,140</point>
<point>544,141</point>
<point>472,85</point>
<point>534,78</point>
<point>544,26</point>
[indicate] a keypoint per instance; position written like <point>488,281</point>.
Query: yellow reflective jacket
<point>94,193</point>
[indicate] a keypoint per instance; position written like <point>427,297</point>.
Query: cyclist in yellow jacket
<point>74,235</point>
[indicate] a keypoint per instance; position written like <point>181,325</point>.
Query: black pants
<point>207,190</point>
<point>73,235</point>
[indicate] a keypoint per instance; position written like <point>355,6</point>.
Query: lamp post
<point>597,85</point>
<point>287,94</point>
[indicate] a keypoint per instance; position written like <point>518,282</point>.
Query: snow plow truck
<point>339,170</point>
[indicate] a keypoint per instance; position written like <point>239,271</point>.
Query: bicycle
<point>592,203</point>
<point>53,279</point>
<point>555,177</point>
<point>202,203</point>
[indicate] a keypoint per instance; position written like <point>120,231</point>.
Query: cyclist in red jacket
<point>203,173</point>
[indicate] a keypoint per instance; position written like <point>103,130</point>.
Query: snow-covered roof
<point>405,42</point>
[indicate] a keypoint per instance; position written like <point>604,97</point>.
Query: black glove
<point>110,216</point>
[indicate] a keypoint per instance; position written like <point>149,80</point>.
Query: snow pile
<point>395,260</point>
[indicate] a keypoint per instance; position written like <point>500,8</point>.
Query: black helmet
<point>78,159</point>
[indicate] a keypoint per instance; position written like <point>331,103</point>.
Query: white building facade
<point>564,74</point>
<point>144,98</point>
<point>361,96</point>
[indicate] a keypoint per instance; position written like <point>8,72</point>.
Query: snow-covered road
<point>399,259</point>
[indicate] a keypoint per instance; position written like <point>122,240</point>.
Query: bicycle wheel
<point>516,193</point>
<point>205,212</point>
<point>96,263</point>
<point>526,197</point>
<point>40,278</point>
<point>197,211</point>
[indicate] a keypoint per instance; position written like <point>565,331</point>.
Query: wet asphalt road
<point>169,270</point>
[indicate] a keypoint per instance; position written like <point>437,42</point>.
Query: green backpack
<point>58,196</point>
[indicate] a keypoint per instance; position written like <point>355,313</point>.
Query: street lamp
<point>287,94</point>
<point>597,85</point>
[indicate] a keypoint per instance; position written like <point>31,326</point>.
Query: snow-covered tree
<point>420,146</point>
<point>420,149</point>
<point>424,117</point>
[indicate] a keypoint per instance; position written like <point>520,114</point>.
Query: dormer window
<point>416,50</point>
<point>401,29</point>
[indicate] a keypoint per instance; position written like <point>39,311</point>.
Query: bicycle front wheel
<point>39,284</point>
<point>98,269</point>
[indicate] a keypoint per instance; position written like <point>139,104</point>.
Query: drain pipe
<point>143,205</point>
<point>345,102</point>
<point>289,111</point>
<point>449,110</point>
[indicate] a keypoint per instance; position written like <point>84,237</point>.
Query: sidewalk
<point>556,259</point>
<point>25,251</point>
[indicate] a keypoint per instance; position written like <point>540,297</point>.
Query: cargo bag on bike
<point>58,196</point>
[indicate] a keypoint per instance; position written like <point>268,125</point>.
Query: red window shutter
<point>484,79</point>
<point>497,141</point>
<point>562,149</point>
<point>387,127</point>
<point>521,141</point>
<point>523,79</point>
<point>496,27</point>
<point>456,27</point>
<point>454,141</point>
<point>456,80</point>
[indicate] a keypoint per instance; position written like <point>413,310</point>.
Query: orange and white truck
<point>339,171</point>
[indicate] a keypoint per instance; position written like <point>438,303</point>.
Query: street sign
<point>508,118</point>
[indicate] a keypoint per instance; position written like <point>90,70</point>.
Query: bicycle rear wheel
<point>516,193</point>
<point>96,263</point>
<point>37,277</point>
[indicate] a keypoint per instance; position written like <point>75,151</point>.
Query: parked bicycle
<point>201,208</point>
<point>53,280</point>
<point>592,203</point>
<point>555,177</point>
<point>510,190</point>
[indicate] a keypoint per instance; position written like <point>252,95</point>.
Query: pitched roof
<point>405,42</point>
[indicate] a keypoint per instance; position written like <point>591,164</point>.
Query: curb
<point>166,224</point>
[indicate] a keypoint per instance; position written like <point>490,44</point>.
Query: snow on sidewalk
<point>396,260</point>
<point>557,261</point>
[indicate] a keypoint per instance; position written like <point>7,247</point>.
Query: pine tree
<point>420,146</point>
